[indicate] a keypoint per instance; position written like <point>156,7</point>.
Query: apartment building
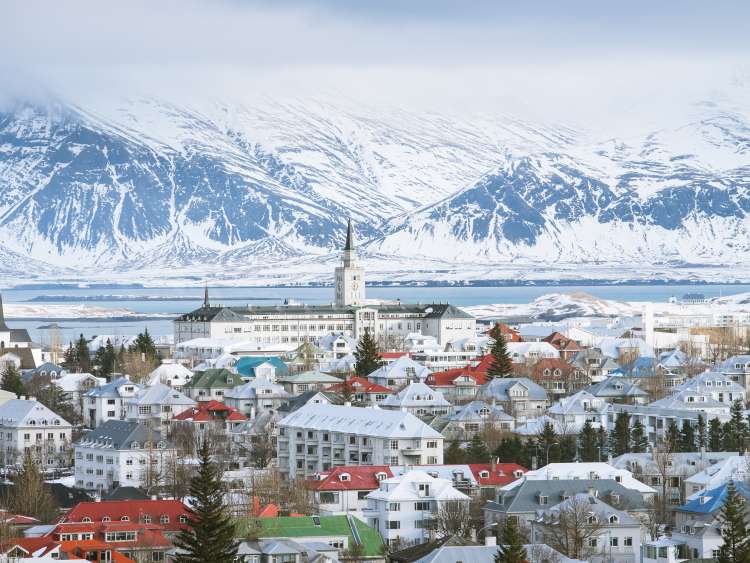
<point>29,425</point>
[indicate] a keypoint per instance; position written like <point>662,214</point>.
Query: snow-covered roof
<point>403,368</point>
<point>593,505</point>
<point>478,410</point>
<point>406,488</point>
<point>587,470</point>
<point>416,394</point>
<point>582,402</point>
<point>161,394</point>
<point>258,387</point>
<point>112,389</point>
<point>500,386</point>
<point>535,349</point>
<point>613,346</point>
<point>365,421</point>
<point>18,413</point>
<point>736,467</point>
<point>71,382</point>
<point>175,373</point>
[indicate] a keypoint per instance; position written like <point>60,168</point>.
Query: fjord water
<point>157,306</point>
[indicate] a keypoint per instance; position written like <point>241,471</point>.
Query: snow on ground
<point>68,311</point>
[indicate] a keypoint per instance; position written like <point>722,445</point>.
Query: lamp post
<point>599,450</point>
<point>548,447</point>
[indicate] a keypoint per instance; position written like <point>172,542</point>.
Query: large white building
<point>108,402</point>
<point>268,326</point>
<point>403,508</point>
<point>121,453</point>
<point>317,438</point>
<point>29,425</point>
<point>16,347</point>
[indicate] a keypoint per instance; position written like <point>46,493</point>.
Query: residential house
<point>256,396</point>
<point>400,373</point>
<point>362,391</point>
<point>618,390</point>
<point>567,347</point>
<point>28,425</point>
<point>555,375</point>
<point>75,386</point>
<point>16,346</point>
<point>120,453</point>
<point>337,345</point>
<point>713,386</point>
<point>473,479</point>
<point>207,414</point>
<point>519,397</point>
<point>344,490</point>
<point>418,399</point>
<point>467,420</point>
<point>737,368</point>
<point>109,401</point>
<point>270,367</point>
<point>170,515</point>
<point>461,384</point>
<point>451,549</point>
<point>617,535</point>
<point>212,384</point>
<point>530,352</point>
<point>570,414</point>
<point>157,404</point>
<point>592,365</point>
<point>402,508</point>
<point>298,383</point>
<point>732,467</point>
<point>316,438</point>
<point>170,373</point>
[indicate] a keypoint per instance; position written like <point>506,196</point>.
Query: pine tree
<point>70,361</point>
<point>210,533</point>
<point>454,454</point>
<point>511,450</point>
<point>12,381</point>
<point>587,442</point>
<point>501,365</point>
<point>567,449</point>
<point>30,495</point>
<point>687,437</point>
<point>735,430</point>
<point>714,435</point>
<point>601,438</point>
<point>55,399</point>
<point>639,442</point>
<point>83,359</point>
<point>619,440</point>
<point>144,344</point>
<point>105,360</point>
<point>477,451</point>
<point>702,436</point>
<point>511,549</point>
<point>672,436</point>
<point>547,440</point>
<point>736,546</point>
<point>367,354</point>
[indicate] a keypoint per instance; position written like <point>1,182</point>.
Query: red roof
<point>551,364</point>
<point>31,545</point>
<point>510,334</point>
<point>393,355</point>
<point>81,547</point>
<point>133,509</point>
<point>17,519</point>
<point>447,377</point>
<point>206,411</point>
<point>359,385</point>
<point>501,476</point>
<point>148,535</point>
<point>360,478</point>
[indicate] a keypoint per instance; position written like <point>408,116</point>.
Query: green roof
<point>304,527</point>
<point>214,378</point>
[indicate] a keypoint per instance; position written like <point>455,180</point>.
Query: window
<point>432,444</point>
<point>394,506</point>
<point>164,519</point>
<point>422,505</point>
<point>592,542</point>
<point>627,542</point>
<point>614,542</point>
<point>394,444</point>
<point>614,519</point>
<point>394,525</point>
<point>183,519</point>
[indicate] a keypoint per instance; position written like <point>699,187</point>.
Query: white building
<point>418,399</point>
<point>399,373</point>
<point>573,412</point>
<point>732,468</point>
<point>29,425</point>
<point>264,327</point>
<point>157,404</point>
<point>259,395</point>
<point>76,385</point>
<point>16,346</point>
<point>169,373</point>
<point>108,402</point>
<point>403,508</point>
<point>120,453</point>
<point>530,352</point>
<point>316,438</point>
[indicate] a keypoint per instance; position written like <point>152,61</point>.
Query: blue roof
<point>709,502</point>
<point>246,365</point>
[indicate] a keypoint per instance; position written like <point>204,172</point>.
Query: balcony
<point>412,450</point>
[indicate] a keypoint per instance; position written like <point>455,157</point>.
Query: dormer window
<point>344,477</point>
<point>614,519</point>
<point>484,474</point>
<point>106,519</point>
<point>125,518</point>
<point>543,499</point>
<point>379,476</point>
<point>86,519</point>
<point>591,519</point>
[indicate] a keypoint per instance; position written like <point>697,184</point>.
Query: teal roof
<point>247,364</point>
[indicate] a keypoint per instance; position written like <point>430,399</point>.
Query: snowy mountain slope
<point>166,187</point>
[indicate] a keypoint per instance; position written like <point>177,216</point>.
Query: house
<point>157,404</point>
<point>509,334</point>
<point>108,402</point>
<point>524,500</point>
<point>171,515</point>
<point>661,550</point>
<point>256,396</point>
<point>583,471</point>
<point>572,413</point>
<point>170,373</point>
<point>403,507</point>
<point>336,346</point>
<point>474,417</point>
<point>555,375</point>
<point>399,373</point>
<point>710,386</point>
<point>344,490</point>
<point>617,536</point>
<point>121,453</point>
<point>298,383</point>
<point>316,438</point>
<point>618,390</point>
<point>289,551</point>
<point>530,352</point>
<point>668,475</point>
<point>697,530</point>
<point>122,540</point>
<point>733,467</point>
<point>75,386</point>
<point>362,390</point>
<point>567,347</point>
<point>211,413</point>
<point>27,425</point>
<point>47,369</point>
<point>270,367</point>
<point>519,397</point>
<point>473,479</point>
<point>592,365</point>
<point>451,549</point>
<point>16,346</point>
<point>212,384</point>
<point>461,384</point>
<point>737,368</point>
<point>418,399</point>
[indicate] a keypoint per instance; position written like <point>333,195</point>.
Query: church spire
<point>349,237</point>
<point>205,296</point>
<point>3,326</point>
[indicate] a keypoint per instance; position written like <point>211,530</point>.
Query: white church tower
<point>350,278</point>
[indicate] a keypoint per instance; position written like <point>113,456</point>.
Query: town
<point>379,431</point>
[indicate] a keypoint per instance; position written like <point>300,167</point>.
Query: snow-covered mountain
<point>169,188</point>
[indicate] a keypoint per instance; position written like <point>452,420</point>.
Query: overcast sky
<point>419,51</point>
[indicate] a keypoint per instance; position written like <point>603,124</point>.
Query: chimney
<point>490,540</point>
<point>493,464</point>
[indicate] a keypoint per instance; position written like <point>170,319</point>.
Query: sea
<point>154,308</point>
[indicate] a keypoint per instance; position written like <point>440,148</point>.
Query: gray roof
<point>487,553</point>
<point>121,434</point>
<point>110,389</point>
<point>687,463</point>
<point>160,394</point>
<point>616,387</point>
<point>18,412</point>
<point>498,388</point>
<point>471,412</point>
<point>524,497</point>
<point>594,504</point>
<point>446,311</point>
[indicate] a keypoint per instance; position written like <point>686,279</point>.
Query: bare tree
<point>569,529</point>
<point>453,518</point>
<point>663,455</point>
<point>541,553</point>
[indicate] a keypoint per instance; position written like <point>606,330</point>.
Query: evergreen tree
<point>687,437</point>
<point>105,360</point>
<point>702,437</point>
<point>477,451</point>
<point>547,440</point>
<point>54,398</point>
<point>30,495</point>
<point>70,361</point>
<point>601,438</point>
<point>454,454</point>
<point>736,546</point>
<point>367,354</point>
<point>639,442</point>
<point>12,380</point>
<point>587,442</point>
<point>511,549</point>
<point>567,449</point>
<point>511,450</point>
<point>501,365</point>
<point>144,345</point>
<point>210,533</point>
<point>672,436</point>
<point>714,435</point>
<point>83,359</point>
<point>735,430</point>
<point>619,440</point>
